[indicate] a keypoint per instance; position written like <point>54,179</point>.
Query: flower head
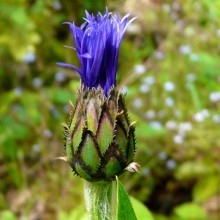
<point>97,43</point>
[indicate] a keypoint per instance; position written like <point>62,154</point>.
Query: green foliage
<point>189,211</point>
<point>140,210</point>
<point>79,213</point>
<point>124,207</point>
<point>7,215</point>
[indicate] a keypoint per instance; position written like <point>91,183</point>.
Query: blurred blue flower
<point>57,5</point>
<point>60,77</point>
<point>18,91</point>
<point>29,57</point>
<point>97,43</point>
<point>171,164</point>
<point>162,155</point>
<point>37,82</point>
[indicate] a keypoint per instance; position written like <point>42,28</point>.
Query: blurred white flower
<point>214,96</point>
<point>144,88</point>
<point>185,49</point>
<point>150,114</point>
<point>202,115</point>
<point>169,86</point>
<point>37,82</point>
<point>140,69</point>
<point>169,101</point>
<point>156,125</point>
<point>184,127</point>
<point>199,117</point>
<point>171,125</point>
<point>149,80</point>
<point>178,139</point>
<point>205,112</point>
<point>124,90</point>
<point>137,103</point>
<point>166,8</point>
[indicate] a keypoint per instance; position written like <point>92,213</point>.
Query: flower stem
<point>100,198</point>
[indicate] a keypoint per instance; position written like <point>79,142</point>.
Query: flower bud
<point>99,139</point>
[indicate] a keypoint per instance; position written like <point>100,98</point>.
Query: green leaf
<point>7,215</point>
<point>189,211</point>
<point>141,211</point>
<point>192,169</point>
<point>206,188</point>
<point>78,213</point>
<point>125,210</point>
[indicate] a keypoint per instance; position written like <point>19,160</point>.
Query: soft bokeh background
<point>169,66</point>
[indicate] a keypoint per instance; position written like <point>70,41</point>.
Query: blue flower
<point>97,43</point>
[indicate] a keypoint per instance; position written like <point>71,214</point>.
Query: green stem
<point>100,198</point>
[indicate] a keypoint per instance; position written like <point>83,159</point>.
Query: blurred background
<point>169,66</point>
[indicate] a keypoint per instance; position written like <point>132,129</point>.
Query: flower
<point>99,138</point>
<point>97,43</point>
<point>169,86</point>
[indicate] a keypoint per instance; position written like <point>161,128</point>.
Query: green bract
<point>99,139</point>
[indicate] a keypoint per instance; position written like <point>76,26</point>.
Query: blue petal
<point>69,66</point>
<point>97,43</point>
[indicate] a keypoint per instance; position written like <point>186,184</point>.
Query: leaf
<point>125,210</point>
<point>7,215</point>
<point>141,211</point>
<point>206,188</point>
<point>193,169</point>
<point>78,213</point>
<point>189,211</point>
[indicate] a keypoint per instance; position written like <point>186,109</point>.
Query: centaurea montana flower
<point>97,43</point>
<point>99,138</point>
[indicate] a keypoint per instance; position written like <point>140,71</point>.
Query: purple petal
<point>69,66</point>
